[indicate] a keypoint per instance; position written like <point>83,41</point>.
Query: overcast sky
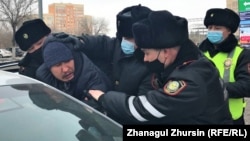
<point>109,8</point>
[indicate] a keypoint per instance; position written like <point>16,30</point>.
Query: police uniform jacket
<point>30,63</point>
<point>188,92</point>
<point>128,73</point>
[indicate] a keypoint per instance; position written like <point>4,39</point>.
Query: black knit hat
<point>30,32</point>
<point>160,30</point>
<point>127,17</point>
<point>222,17</point>
<point>56,52</point>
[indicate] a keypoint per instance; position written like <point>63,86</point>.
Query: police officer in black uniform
<point>116,56</point>
<point>188,88</point>
<point>30,37</point>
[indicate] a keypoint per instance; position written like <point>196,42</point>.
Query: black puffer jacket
<point>87,75</point>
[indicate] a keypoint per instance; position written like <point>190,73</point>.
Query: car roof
<point>10,78</point>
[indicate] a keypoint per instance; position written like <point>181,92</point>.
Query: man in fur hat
<point>233,61</point>
<point>118,56</point>
<point>187,86</point>
<point>30,37</point>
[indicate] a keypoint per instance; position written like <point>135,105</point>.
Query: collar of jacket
<point>188,51</point>
<point>226,46</point>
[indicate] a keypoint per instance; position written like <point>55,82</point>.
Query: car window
<point>39,113</point>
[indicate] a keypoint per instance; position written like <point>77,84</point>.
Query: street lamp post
<point>40,8</point>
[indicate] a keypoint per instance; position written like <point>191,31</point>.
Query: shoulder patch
<point>174,87</point>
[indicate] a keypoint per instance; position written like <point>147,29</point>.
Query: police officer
<point>188,89</point>
<point>233,61</point>
<point>30,37</point>
<point>116,56</point>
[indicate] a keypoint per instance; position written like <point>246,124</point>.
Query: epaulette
<point>185,63</point>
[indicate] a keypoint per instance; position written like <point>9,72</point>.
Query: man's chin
<point>68,77</point>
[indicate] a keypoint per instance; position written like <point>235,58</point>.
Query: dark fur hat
<point>127,17</point>
<point>222,17</point>
<point>160,30</point>
<point>30,32</point>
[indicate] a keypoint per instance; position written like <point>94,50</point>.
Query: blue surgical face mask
<point>215,37</point>
<point>127,47</point>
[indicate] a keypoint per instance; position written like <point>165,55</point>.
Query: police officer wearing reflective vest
<point>232,61</point>
<point>188,88</point>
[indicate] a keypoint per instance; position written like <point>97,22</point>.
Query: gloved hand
<point>80,46</point>
<point>76,42</point>
<point>62,37</point>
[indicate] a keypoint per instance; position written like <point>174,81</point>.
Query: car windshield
<point>39,113</point>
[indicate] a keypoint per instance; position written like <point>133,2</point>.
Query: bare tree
<point>4,26</point>
<point>100,26</point>
<point>5,41</point>
<point>14,12</point>
<point>94,26</point>
<point>86,25</point>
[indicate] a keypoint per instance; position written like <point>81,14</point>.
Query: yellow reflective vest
<point>225,63</point>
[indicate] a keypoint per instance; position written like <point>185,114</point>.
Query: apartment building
<point>67,17</point>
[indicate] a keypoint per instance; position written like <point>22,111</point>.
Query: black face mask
<point>37,55</point>
<point>155,66</point>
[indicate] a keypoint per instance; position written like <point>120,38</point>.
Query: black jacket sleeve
<point>98,47</point>
<point>241,87</point>
<point>28,66</point>
<point>190,96</point>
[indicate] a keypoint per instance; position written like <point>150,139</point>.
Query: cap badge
<point>25,36</point>
<point>116,82</point>
<point>212,15</point>
<point>174,87</point>
<point>228,63</point>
